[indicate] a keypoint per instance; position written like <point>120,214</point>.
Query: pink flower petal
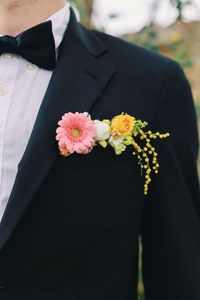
<point>82,143</point>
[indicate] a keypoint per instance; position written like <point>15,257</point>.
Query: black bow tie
<point>36,45</point>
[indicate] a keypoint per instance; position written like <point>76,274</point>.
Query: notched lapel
<point>76,84</point>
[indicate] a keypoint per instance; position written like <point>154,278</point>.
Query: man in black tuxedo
<point>70,226</point>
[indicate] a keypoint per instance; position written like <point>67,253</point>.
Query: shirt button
<point>2,91</point>
<point>31,66</point>
<point>8,55</point>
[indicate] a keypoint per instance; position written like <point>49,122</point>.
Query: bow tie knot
<point>8,44</point>
<point>36,45</point>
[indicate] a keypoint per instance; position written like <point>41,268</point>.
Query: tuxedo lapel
<point>76,84</point>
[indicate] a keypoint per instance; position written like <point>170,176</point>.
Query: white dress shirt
<point>22,88</point>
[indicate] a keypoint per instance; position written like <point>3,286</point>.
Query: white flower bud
<point>102,130</point>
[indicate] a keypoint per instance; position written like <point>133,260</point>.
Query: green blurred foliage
<point>85,9</point>
<point>174,47</point>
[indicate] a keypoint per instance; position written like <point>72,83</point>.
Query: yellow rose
<point>123,124</point>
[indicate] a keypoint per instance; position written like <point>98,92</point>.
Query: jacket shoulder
<point>130,55</point>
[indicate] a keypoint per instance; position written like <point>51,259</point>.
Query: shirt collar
<point>60,21</point>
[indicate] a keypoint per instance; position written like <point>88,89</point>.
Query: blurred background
<point>170,27</point>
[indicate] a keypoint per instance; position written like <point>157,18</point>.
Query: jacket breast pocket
<point>96,158</point>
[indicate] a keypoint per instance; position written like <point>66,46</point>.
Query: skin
<point>17,16</point>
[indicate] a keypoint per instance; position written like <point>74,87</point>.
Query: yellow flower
<point>123,124</point>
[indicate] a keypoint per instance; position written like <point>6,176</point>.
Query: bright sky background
<point>119,17</point>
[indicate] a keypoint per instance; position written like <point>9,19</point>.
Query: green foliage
<point>146,38</point>
<point>174,47</point>
<point>80,5</point>
<point>84,9</point>
<point>138,126</point>
<point>181,56</point>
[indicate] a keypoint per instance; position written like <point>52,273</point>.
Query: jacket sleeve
<point>171,222</point>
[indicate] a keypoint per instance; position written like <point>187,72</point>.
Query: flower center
<point>76,132</point>
<point>116,137</point>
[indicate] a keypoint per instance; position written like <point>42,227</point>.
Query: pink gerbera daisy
<point>76,133</point>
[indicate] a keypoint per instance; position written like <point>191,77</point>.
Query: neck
<point>17,16</point>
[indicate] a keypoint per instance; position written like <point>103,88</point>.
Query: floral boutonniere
<point>78,133</point>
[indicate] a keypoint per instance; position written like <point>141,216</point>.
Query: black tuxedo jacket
<point>71,227</point>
